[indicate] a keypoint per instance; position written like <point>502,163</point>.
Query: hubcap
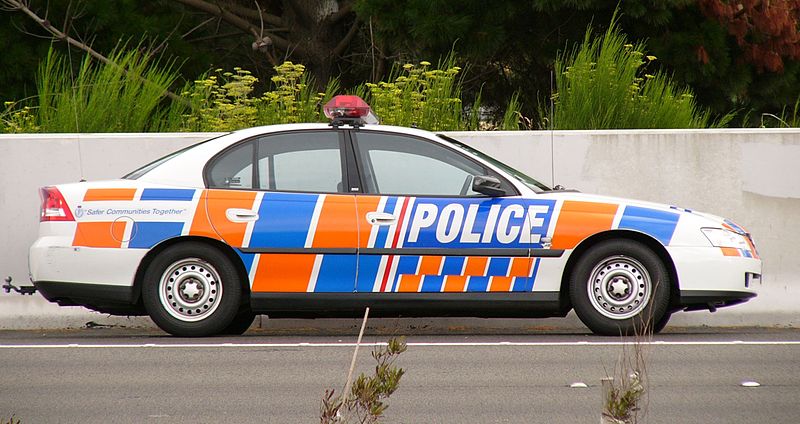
<point>619,287</point>
<point>190,289</point>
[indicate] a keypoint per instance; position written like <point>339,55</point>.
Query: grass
<point>606,83</point>
<point>98,98</point>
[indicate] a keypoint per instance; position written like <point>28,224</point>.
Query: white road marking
<point>410,344</point>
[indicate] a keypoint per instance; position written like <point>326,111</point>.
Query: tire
<point>660,324</point>
<point>241,322</point>
<point>620,287</point>
<point>192,290</point>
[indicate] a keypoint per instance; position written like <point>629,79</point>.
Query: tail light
<point>54,207</point>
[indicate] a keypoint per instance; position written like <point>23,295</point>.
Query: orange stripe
<point>201,226</point>
<point>365,205</point>
<point>99,234</point>
<point>106,194</point>
<point>476,266</point>
<point>336,223</point>
<point>455,283</point>
<point>730,251</point>
<point>409,283</point>
<point>501,284</point>
<point>217,203</point>
<point>283,273</point>
<point>520,267</point>
<point>430,265</point>
<point>579,220</point>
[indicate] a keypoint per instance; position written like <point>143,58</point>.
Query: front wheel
<point>192,290</point>
<point>620,287</point>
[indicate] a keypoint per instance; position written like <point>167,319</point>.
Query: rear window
<point>156,163</point>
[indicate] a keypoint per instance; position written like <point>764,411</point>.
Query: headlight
<point>725,238</point>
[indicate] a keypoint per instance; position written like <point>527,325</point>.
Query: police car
<point>313,220</point>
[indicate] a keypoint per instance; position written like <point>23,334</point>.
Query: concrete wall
<point>750,176</point>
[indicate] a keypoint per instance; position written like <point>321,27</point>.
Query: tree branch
<point>235,20</point>
<point>19,5</point>
<point>339,49</point>
<point>254,14</point>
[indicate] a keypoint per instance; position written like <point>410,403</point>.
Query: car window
<point>397,164</point>
<point>301,161</point>
<point>234,169</point>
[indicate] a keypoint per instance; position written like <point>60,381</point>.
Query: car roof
<point>186,168</point>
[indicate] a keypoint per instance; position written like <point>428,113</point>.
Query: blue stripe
<point>367,272</point>
<point>735,226</point>
<point>432,283</point>
<point>659,224</point>
<point>284,220</point>
<point>498,267</point>
<point>336,274</point>
<point>148,234</point>
<point>453,265</point>
<point>247,260</point>
<point>520,284</point>
<point>477,284</point>
<point>175,194</point>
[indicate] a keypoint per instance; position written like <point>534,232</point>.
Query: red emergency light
<point>345,109</point>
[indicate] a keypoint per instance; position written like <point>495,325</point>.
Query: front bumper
<point>708,279</point>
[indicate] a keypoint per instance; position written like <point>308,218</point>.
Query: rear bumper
<point>115,300</point>
<point>48,261</point>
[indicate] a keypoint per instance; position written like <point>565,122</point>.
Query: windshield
<point>154,164</point>
<point>518,175</point>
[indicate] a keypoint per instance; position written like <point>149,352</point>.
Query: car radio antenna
<point>552,130</point>
<point>75,109</point>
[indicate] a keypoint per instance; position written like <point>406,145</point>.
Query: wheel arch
<point>648,241</point>
<point>227,250</point>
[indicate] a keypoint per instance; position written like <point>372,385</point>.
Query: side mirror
<point>488,185</point>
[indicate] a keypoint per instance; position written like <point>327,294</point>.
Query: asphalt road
<point>141,376</point>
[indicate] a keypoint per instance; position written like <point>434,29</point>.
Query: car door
<point>425,230</point>
<point>280,200</point>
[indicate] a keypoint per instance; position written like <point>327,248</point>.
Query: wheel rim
<point>619,287</point>
<point>190,290</point>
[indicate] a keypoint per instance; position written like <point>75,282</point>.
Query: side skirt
<point>351,305</point>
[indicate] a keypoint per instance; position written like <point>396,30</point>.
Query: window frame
<point>510,187</point>
<point>256,178</point>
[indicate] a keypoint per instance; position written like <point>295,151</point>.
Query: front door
<point>429,232</point>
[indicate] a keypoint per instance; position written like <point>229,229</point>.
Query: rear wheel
<point>192,290</point>
<point>620,287</point>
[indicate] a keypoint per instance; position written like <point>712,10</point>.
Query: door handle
<point>381,218</point>
<point>241,215</point>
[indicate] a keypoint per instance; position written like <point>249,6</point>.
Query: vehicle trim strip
<point>503,252</point>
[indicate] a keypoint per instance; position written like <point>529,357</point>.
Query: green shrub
<point>604,83</point>
<point>224,101</point>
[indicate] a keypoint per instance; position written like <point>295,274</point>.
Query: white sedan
<point>316,220</point>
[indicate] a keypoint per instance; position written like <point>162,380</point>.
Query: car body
<point>313,220</point>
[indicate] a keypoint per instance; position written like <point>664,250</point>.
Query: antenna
<point>552,130</point>
<point>75,109</point>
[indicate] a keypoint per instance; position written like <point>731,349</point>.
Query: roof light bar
<point>350,110</point>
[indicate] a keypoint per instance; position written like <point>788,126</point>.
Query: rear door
<point>427,231</point>
<point>281,200</point>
